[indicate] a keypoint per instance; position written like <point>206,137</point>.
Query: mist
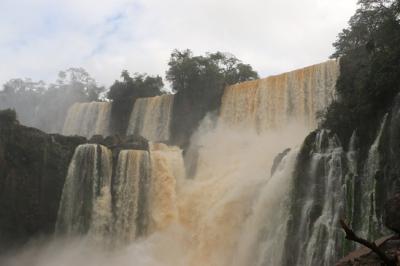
<point>44,106</point>
<point>215,203</point>
<point>199,220</point>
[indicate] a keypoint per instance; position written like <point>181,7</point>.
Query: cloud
<point>40,37</point>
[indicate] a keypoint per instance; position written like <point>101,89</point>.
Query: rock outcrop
<point>33,166</point>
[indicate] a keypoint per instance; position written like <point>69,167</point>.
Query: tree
<point>22,95</point>
<point>369,54</point>
<point>140,85</point>
<point>45,106</point>
<point>200,82</point>
<point>190,73</point>
<point>388,260</point>
<point>124,93</point>
<point>78,81</point>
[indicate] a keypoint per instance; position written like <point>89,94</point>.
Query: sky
<point>38,38</point>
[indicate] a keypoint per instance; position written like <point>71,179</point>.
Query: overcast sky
<point>40,37</point>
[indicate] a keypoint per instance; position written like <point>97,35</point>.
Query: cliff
<point>33,166</point>
<point>355,178</point>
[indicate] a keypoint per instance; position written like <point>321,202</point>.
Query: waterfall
<point>151,118</point>
<point>130,195</point>
<point>313,235</point>
<point>88,119</point>
<point>232,210</point>
<point>85,205</point>
<point>168,172</point>
<point>371,226</point>
<point>262,242</point>
<point>229,202</point>
<point>275,101</point>
<point>350,188</point>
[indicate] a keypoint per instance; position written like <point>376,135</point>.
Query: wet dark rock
<point>139,141</point>
<point>33,166</point>
<point>190,107</point>
<point>392,214</point>
<point>124,142</point>
<point>8,116</point>
<point>277,160</point>
<point>110,141</point>
<point>363,256</point>
<point>96,139</point>
<point>120,113</point>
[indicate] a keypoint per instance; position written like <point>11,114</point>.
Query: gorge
<point>230,210</point>
<point>222,168</point>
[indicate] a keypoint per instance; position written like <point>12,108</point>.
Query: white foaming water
<point>275,101</point>
<point>321,245</point>
<point>262,240</point>
<point>207,220</point>
<point>168,173</point>
<point>231,211</point>
<point>371,227</point>
<point>130,191</point>
<point>233,171</point>
<point>151,117</point>
<point>88,119</point>
<point>85,205</point>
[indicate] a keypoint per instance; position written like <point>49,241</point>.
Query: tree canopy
<point>44,105</point>
<point>124,92</point>
<point>199,83</point>
<point>369,53</point>
<point>78,80</point>
<point>139,85</point>
<point>206,73</point>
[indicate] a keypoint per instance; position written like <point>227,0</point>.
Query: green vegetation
<point>140,85</point>
<point>199,75</point>
<point>124,93</point>
<point>8,116</point>
<point>369,51</point>
<point>44,105</point>
<point>199,82</point>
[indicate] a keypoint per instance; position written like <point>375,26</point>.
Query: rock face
<point>392,213</point>
<point>389,244</point>
<point>365,257</point>
<point>33,166</point>
<point>188,110</point>
<point>313,236</point>
<point>278,159</point>
<point>379,166</point>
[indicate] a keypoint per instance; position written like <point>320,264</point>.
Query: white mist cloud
<point>40,37</point>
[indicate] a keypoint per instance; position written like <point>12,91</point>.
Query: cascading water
<point>372,226</point>
<point>168,172</point>
<point>262,240</point>
<point>218,204</point>
<point>130,195</point>
<point>151,118</point>
<point>275,101</point>
<point>351,183</point>
<point>88,119</point>
<point>313,235</point>
<point>85,205</point>
<point>231,210</point>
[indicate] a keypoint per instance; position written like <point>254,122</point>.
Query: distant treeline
<point>44,105</point>
<point>200,78</point>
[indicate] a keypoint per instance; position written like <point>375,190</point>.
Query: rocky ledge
<point>33,167</point>
<point>389,245</point>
